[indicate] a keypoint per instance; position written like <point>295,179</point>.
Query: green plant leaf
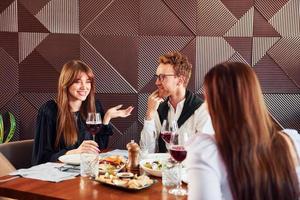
<point>12,129</point>
<point>1,129</point>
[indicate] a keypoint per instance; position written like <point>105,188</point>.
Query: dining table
<point>80,188</point>
<point>18,187</point>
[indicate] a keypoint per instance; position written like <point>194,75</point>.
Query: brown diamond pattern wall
<point>122,39</point>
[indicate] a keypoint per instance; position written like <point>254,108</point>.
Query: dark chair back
<point>18,153</point>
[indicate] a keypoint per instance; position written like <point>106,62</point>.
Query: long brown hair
<point>257,157</point>
<point>66,126</point>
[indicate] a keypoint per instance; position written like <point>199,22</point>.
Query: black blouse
<point>45,134</point>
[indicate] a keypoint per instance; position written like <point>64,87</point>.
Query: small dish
<point>154,172</point>
<point>125,175</point>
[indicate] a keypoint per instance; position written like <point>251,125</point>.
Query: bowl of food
<point>152,166</point>
<point>111,164</point>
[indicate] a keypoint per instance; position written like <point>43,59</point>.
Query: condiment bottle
<point>133,157</point>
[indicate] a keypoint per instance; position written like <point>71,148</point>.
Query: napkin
<point>46,172</point>
<point>120,152</point>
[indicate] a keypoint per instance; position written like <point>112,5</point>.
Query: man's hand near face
<point>153,102</point>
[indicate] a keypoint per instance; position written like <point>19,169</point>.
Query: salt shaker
<point>133,157</point>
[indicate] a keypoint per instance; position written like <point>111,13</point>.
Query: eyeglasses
<point>161,77</point>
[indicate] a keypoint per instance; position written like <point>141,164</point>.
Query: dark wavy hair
<point>256,155</point>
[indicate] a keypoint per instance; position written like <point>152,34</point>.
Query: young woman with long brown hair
<point>248,157</point>
<point>60,126</point>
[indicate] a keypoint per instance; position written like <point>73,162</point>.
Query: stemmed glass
<point>178,153</point>
<point>93,123</point>
<point>166,132</point>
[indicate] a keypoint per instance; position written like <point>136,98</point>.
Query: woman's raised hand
<point>87,146</point>
<point>115,112</point>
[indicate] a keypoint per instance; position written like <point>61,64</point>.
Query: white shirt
<point>198,122</point>
<point>206,171</point>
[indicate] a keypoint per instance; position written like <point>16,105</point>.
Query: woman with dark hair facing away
<point>60,126</point>
<point>247,158</point>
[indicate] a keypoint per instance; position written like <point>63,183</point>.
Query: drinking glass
<point>178,153</point>
<point>89,164</point>
<point>166,131</point>
<point>93,123</point>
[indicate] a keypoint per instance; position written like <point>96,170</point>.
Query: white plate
<point>151,171</point>
<point>71,159</point>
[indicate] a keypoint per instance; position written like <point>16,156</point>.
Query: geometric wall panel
<point>286,53</point>
<point>237,57</point>
<point>36,74</point>
<point>110,100</point>
<point>108,80</point>
<point>122,40</point>
<point>185,12</point>
<point>28,114</point>
<point>243,27</point>
<point>289,12</point>
<point>9,43</point>
<point>38,99</point>
<point>120,141</point>
<point>269,8</point>
<point>116,50</point>
<point>209,52</point>
<point>272,77</point>
<point>33,6</point>
<point>261,27</point>
<point>57,49</point>
<point>142,106</point>
<point>4,4</point>
<point>55,18</point>
<point>285,108</point>
<point>90,9</point>
<point>243,45</point>
<point>156,18</point>
<point>28,22</point>
<point>123,129</point>
<point>213,18</point>
<point>9,73</point>
<point>28,42</point>
<point>260,47</point>
<point>120,17</point>
<point>190,51</point>
<point>9,18</point>
<point>8,77</point>
<point>238,8</point>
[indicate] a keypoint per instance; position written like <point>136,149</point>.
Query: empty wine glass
<point>178,153</point>
<point>93,123</point>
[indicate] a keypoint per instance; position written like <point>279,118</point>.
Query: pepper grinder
<point>133,157</point>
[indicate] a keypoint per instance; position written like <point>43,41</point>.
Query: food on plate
<point>137,182</point>
<point>154,165</point>
<point>112,164</point>
<point>113,160</point>
<point>125,174</point>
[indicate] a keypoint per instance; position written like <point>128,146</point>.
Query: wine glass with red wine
<point>166,131</point>
<point>178,152</point>
<point>93,123</point>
